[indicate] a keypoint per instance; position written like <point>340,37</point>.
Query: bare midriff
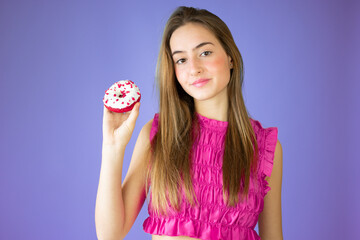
<point>163,237</point>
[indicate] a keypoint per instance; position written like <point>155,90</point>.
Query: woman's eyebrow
<point>198,46</point>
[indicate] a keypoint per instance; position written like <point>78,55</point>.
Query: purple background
<point>57,59</point>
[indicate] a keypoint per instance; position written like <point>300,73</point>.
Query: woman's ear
<point>231,63</point>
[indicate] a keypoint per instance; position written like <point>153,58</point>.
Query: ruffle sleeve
<point>267,139</point>
<point>270,139</point>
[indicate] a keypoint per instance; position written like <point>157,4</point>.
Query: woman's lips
<point>200,82</point>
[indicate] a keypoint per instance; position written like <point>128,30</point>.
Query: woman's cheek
<point>216,64</point>
<point>179,75</point>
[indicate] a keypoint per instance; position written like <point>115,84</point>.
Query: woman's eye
<point>206,53</point>
<point>180,61</point>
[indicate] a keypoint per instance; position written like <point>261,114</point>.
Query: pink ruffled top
<point>212,219</point>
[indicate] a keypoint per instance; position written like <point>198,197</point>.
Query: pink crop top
<point>212,219</point>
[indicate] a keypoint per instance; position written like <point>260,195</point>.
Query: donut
<point>122,96</point>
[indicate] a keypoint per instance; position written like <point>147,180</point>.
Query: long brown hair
<point>170,164</point>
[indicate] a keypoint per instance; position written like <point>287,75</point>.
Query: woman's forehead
<point>189,36</point>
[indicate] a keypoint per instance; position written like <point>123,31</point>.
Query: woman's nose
<point>195,67</point>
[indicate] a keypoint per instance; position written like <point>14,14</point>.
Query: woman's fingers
<point>131,121</point>
<point>134,112</point>
<point>118,127</point>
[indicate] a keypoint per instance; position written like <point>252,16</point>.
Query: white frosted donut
<point>122,96</point>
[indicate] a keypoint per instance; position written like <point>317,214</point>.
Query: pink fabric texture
<point>212,219</point>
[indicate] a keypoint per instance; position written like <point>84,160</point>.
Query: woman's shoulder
<point>147,127</point>
<point>267,138</point>
<point>151,126</point>
<point>260,129</point>
<point>153,121</point>
<point>145,132</point>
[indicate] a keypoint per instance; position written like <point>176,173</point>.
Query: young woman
<point>210,166</point>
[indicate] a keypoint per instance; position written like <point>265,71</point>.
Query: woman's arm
<point>133,188</point>
<point>109,209</point>
<point>270,222</point>
<point>116,205</point>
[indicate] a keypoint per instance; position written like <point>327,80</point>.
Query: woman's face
<point>202,66</point>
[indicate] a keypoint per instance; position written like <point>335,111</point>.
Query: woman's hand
<point>118,127</point>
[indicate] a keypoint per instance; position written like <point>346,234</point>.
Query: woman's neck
<point>214,108</point>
